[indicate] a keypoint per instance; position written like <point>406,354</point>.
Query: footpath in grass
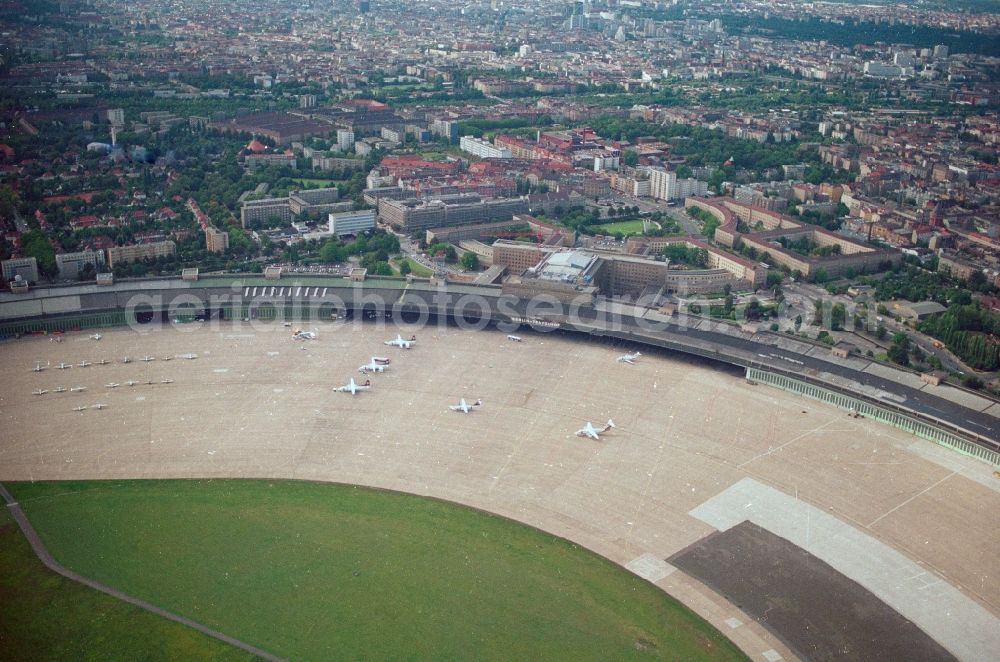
<point>44,616</point>
<point>317,571</point>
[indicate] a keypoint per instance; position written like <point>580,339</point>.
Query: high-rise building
<point>345,140</point>
<point>216,241</point>
<point>116,116</point>
<point>25,267</point>
<point>352,222</point>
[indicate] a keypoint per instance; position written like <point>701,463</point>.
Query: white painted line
<point>324,291</point>
<point>297,290</point>
<point>772,655</point>
<point>955,621</point>
<point>734,623</point>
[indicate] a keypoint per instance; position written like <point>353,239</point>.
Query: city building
<point>122,254</point>
<point>25,267</point>
<point>351,222</point>
<point>482,148</point>
<point>345,140</point>
<point>71,265</point>
<point>216,241</point>
<point>412,215</point>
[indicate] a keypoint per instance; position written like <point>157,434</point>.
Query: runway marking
<point>954,620</point>
<point>920,493</point>
<point>650,567</point>
<point>771,451</point>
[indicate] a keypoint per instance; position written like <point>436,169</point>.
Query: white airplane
<point>59,389</point>
<point>353,388</point>
<point>187,356</point>
<point>79,409</point>
<point>126,360</point>
<point>112,385</point>
<point>99,406</point>
<point>166,381</point>
<point>64,366</point>
<point>629,358</point>
<point>465,407</point>
<point>38,367</point>
<point>167,358</point>
<point>306,335</point>
<point>96,336</point>
<point>514,338</point>
<point>102,362</point>
<point>130,383</point>
<point>399,341</point>
<point>148,382</point>
<point>77,389</point>
<point>148,358</point>
<point>84,364</point>
<point>589,430</point>
<point>374,366</point>
<point>40,391</point>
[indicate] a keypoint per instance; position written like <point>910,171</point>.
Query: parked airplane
<point>84,364</point>
<point>589,430</point>
<point>59,389</point>
<point>77,389</point>
<point>306,335</point>
<point>103,362</point>
<point>98,406</point>
<point>148,358</point>
<point>399,341</point>
<point>629,358</point>
<point>79,409</point>
<point>96,336</point>
<point>353,388</point>
<point>187,356</point>
<point>63,366</point>
<point>166,381</point>
<point>167,358</point>
<point>130,383</point>
<point>126,360</point>
<point>38,367</point>
<point>514,338</point>
<point>465,407</point>
<point>39,391</point>
<point>374,366</point>
<point>112,385</point>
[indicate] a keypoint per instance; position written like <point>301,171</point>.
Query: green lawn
<point>318,571</point>
<point>416,268</point>
<point>44,616</point>
<point>625,227</point>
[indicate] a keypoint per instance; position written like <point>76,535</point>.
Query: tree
<point>898,354</point>
<point>470,261</point>
<point>880,332</point>
<point>404,268</point>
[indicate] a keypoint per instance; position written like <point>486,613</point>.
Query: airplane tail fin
<point>611,423</point>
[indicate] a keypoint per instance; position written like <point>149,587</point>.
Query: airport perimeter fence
<point>919,428</point>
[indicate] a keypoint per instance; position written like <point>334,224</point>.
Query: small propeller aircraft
<point>103,362</point>
<point>99,406</point>
<point>38,367</point>
<point>401,342</point>
<point>77,389</point>
<point>629,358</point>
<point>96,336</point>
<point>126,360</point>
<point>64,366</point>
<point>131,383</point>
<point>589,430</point>
<point>187,356</point>
<point>147,358</point>
<point>39,391</point>
<point>112,385</point>
<point>465,407</point>
<point>306,335</point>
<point>59,389</point>
<point>79,409</point>
<point>166,381</point>
<point>353,388</point>
<point>374,366</point>
<point>84,364</point>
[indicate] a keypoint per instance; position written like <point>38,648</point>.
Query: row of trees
<point>970,332</point>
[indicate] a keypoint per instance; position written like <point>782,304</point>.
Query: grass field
<point>625,227</point>
<point>44,616</point>
<point>319,571</point>
<point>416,268</point>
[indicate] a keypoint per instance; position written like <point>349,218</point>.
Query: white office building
<point>352,222</point>
<point>664,185</point>
<point>25,267</point>
<point>482,148</point>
